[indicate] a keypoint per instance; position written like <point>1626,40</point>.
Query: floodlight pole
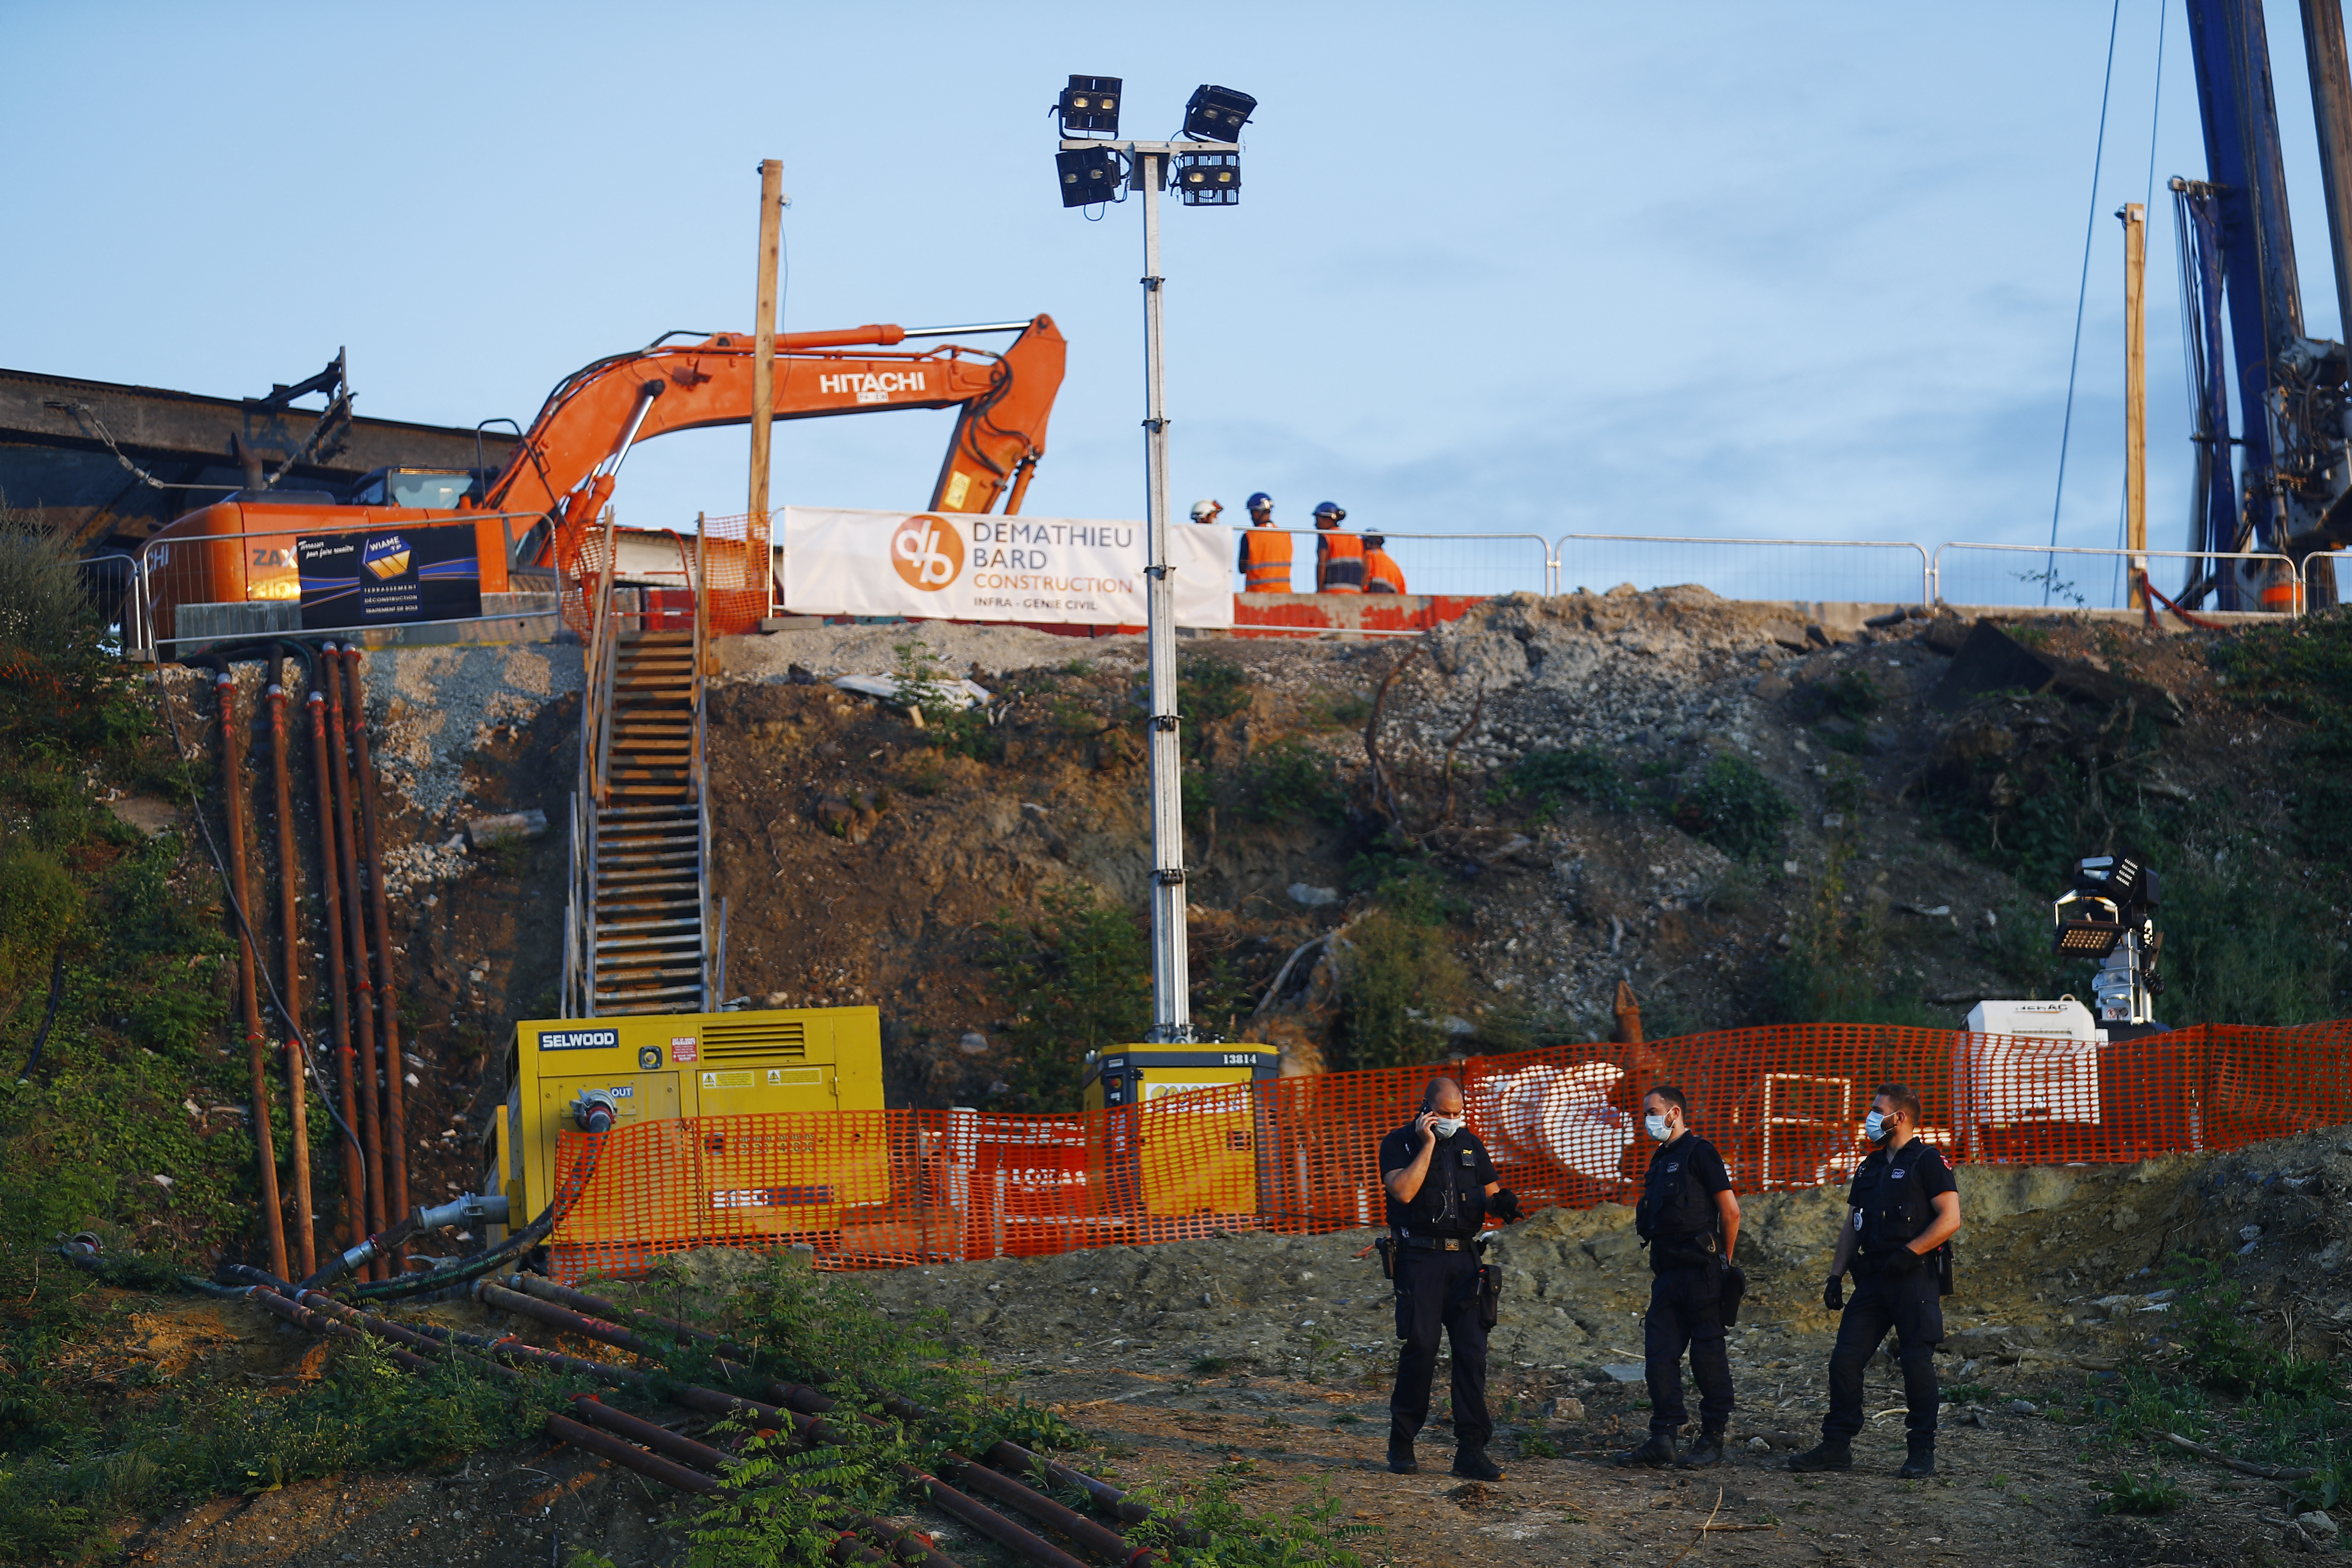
<point>1171,987</point>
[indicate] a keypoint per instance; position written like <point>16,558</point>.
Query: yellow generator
<point>1175,1145</point>
<point>631,1071</point>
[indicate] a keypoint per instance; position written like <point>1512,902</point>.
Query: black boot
<point>1474,1464</point>
<point>1658,1451</point>
<point>1919,1463</point>
<point>1703,1454</point>
<point>1401,1459</point>
<point>1828,1454</point>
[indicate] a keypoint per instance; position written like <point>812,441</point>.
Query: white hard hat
<point>1205,508</point>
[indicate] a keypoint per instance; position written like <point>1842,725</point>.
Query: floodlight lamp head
<point>1089,106</point>
<point>1209,179</point>
<point>1217,114</point>
<point>1088,176</point>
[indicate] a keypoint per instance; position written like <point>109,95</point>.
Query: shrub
<point>1399,977</point>
<point>1075,979</point>
<point>1210,690</point>
<point>39,904</point>
<point>43,609</point>
<point>1289,781</point>
<point>1548,780</point>
<point>1735,808</point>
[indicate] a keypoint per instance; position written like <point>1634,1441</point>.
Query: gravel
<point>429,707</point>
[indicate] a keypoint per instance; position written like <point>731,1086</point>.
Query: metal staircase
<point>637,938</point>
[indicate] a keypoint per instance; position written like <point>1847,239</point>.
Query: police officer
<point>1902,1208</point>
<point>1441,1186</point>
<point>1690,1218</point>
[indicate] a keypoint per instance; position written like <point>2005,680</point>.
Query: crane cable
<point>2082,294</point>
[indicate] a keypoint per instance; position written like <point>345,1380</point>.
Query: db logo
<point>928,552</point>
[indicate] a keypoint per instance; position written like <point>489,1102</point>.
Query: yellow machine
<point>1184,1149</point>
<point>630,1071</point>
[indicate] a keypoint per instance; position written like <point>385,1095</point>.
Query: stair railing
<point>595,748</point>
<point>694,777</point>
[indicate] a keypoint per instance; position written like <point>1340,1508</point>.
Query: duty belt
<point>1441,1243</point>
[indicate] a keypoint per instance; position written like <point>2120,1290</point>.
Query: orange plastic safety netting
<point>731,560</point>
<point>890,1188</point>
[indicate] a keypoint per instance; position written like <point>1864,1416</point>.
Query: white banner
<point>979,566</point>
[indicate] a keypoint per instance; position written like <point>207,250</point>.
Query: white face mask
<point>1876,1126</point>
<point>1445,1126</point>
<point>1656,1127</point>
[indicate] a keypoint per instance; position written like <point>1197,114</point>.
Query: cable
<point>2082,294</point>
<point>2148,204</point>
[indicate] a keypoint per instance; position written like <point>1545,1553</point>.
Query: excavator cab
<point>432,489</point>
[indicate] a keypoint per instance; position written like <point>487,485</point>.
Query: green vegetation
<point>2148,1494</point>
<point>950,723</point>
<point>1735,808</point>
<point>1287,782</point>
<point>1546,781</point>
<point>1076,978</point>
<point>1212,691</point>
<point>1850,694</point>
<point>1402,978</point>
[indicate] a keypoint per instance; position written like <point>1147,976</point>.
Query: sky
<point>1712,269</point>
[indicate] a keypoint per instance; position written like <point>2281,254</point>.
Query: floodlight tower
<point>1094,166</point>
<point>2108,912</point>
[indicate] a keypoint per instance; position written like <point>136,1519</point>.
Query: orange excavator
<point>535,508</point>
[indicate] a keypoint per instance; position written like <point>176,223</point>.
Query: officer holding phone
<point>1441,1186</point>
<point>1902,1209</point>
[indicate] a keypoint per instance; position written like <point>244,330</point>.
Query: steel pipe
<point>355,1225</point>
<point>570,1322</point>
<point>361,1062</point>
<point>387,992</point>
<point>628,1455</point>
<point>255,1047</point>
<point>297,1109</point>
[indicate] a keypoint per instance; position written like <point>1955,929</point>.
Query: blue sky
<point>1705,269</point>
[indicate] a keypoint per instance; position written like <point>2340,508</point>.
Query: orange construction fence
<point>735,574</point>
<point>890,1188</point>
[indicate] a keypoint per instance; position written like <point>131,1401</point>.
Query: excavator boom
<point>593,415</point>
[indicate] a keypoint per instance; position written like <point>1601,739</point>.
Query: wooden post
<point>2135,216</point>
<point>764,361</point>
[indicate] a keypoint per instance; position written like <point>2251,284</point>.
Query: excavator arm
<point>565,463</point>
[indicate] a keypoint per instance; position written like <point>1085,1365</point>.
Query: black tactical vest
<point>1673,1206</point>
<point>1891,1198</point>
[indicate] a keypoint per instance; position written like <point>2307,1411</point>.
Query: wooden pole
<point>764,361</point>
<point>2135,216</point>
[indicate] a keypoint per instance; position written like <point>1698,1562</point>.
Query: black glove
<point>1506,1203</point>
<point>1900,1263</point>
<point>1834,1293</point>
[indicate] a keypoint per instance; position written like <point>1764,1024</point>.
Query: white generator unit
<point>2026,1062</point>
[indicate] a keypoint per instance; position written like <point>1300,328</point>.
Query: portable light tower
<point>2108,913</point>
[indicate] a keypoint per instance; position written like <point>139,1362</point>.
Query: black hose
<point>57,990</point>
<point>473,1268</point>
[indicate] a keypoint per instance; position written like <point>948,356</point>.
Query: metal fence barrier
<point>1859,571</point>
<point>2029,575</point>
<point>1471,565</point>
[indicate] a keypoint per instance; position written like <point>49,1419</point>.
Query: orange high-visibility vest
<point>1382,574</point>
<point>1339,563</point>
<point>1266,562</point>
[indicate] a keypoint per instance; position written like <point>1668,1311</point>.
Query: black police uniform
<point>1679,1219</point>
<point>1892,1200</point>
<point>1437,1281</point>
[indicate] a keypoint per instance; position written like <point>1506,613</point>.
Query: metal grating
<point>734,1042</point>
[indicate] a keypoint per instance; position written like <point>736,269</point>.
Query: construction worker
<point>1206,511</point>
<point>1441,1188</point>
<point>1338,557</point>
<point>1902,1208</point>
<point>1264,563</point>
<point>1381,573</point>
<point>1689,1218</point>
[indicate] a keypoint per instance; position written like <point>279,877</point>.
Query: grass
<point>1287,782</point>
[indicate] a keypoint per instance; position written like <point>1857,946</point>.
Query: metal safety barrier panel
<point>1853,571</point>
<point>890,1188</point>
<point>727,556</point>
<point>2070,578</point>
<point>1480,565</point>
